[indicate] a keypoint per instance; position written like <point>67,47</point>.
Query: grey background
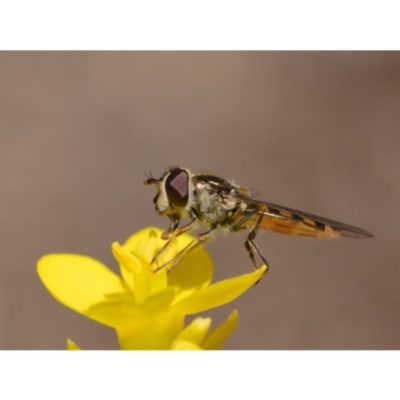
<point>314,131</point>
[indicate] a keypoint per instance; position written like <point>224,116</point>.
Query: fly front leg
<point>173,225</point>
<point>167,234</point>
<point>174,231</point>
<point>198,241</point>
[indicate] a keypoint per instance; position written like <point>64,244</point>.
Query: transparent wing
<point>293,222</point>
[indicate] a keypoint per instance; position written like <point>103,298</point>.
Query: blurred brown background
<point>314,131</point>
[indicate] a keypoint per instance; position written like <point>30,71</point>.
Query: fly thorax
<point>229,203</point>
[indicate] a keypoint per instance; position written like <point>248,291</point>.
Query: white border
<point>200,375</point>
<point>199,25</point>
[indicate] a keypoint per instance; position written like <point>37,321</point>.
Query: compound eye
<point>177,187</point>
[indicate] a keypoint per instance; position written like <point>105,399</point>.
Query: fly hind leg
<point>250,244</point>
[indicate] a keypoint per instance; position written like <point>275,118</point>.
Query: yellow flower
<point>195,336</point>
<point>146,308</point>
<point>72,345</point>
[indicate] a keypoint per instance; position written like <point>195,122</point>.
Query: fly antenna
<point>150,179</point>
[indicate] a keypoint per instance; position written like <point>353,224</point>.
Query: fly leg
<point>174,231</point>
<point>199,240</point>
<point>250,244</point>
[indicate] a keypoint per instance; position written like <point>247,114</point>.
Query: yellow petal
<point>136,274</point>
<point>157,334</point>
<point>144,236</point>
<point>194,272</point>
<point>184,345</point>
<point>216,339</point>
<point>72,345</point>
<point>121,310</point>
<point>146,249</point>
<point>196,331</point>
<point>219,293</point>
<point>78,281</point>
<point>128,261</point>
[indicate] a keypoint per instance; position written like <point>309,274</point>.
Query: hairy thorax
<point>212,208</point>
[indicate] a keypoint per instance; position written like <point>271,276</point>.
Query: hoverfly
<point>214,201</point>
